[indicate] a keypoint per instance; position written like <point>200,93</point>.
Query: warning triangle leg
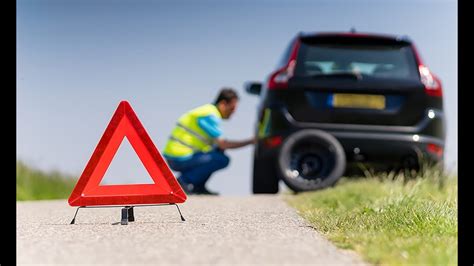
<point>125,215</point>
<point>74,219</point>
<point>182,218</point>
<point>131,217</point>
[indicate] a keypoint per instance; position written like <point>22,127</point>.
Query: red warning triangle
<point>88,191</point>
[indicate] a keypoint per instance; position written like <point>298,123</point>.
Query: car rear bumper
<point>367,143</point>
<point>431,124</point>
<point>389,147</point>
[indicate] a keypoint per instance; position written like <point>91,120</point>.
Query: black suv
<point>341,100</point>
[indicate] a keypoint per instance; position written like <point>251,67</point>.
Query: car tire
<point>311,159</point>
<point>265,179</point>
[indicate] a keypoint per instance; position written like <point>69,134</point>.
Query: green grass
<point>32,184</point>
<point>389,220</point>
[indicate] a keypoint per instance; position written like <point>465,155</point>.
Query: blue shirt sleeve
<point>210,124</point>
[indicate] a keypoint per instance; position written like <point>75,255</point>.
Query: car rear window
<point>377,60</point>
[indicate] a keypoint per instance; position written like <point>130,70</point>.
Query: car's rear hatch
<point>363,80</point>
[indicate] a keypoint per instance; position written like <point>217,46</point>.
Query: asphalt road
<point>218,230</point>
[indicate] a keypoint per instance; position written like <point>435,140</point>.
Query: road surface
<point>239,230</point>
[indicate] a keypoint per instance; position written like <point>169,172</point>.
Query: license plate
<point>368,101</point>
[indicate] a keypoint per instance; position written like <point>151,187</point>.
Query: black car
<point>340,100</point>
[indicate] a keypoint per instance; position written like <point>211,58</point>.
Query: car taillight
<point>279,79</point>
<point>273,142</point>
<point>435,149</point>
<point>432,83</point>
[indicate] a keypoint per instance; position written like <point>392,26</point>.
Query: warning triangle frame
<point>89,192</point>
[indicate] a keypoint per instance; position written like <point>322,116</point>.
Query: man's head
<point>226,102</point>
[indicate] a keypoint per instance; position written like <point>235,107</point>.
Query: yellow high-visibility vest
<point>188,137</point>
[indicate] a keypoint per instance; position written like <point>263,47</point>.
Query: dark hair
<point>226,94</point>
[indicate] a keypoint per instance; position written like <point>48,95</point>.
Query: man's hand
<point>254,140</point>
<point>227,144</point>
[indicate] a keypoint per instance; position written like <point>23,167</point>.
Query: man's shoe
<point>202,190</point>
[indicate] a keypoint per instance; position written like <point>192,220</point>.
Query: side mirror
<point>253,87</point>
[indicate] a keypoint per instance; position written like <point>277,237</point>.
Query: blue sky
<point>76,60</point>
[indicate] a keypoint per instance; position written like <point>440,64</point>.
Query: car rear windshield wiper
<point>341,74</point>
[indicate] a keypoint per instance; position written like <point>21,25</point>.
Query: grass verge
<point>32,184</point>
<point>389,220</point>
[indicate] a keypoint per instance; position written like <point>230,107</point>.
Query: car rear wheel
<point>311,159</point>
<point>265,179</point>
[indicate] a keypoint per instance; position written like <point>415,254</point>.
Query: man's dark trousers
<point>199,168</point>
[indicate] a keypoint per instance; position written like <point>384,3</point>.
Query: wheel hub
<point>310,165</point>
